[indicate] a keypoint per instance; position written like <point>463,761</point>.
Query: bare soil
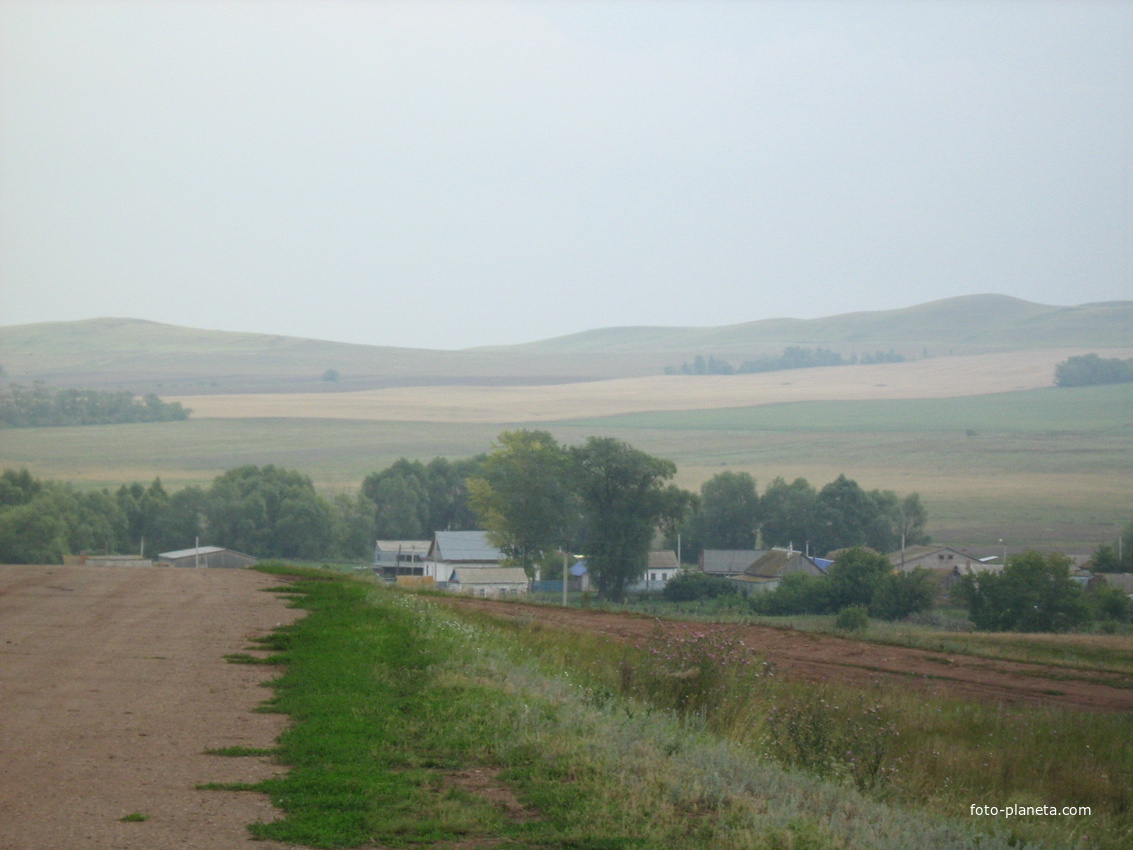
<point>819,657</point>
<point>113,684</point>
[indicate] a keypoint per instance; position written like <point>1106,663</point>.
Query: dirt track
<point>826,657</point>
<point>113,683</point>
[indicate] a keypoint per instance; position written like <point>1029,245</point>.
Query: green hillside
<point>963,325</point>
<point>151,357</point>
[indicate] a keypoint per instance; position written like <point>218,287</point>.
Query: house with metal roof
<point>452,549</point>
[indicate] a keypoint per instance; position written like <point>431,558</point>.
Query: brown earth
<point>113,683</point>
<point>819,657</point>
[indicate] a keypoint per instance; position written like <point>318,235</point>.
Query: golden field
<point>942,377</point>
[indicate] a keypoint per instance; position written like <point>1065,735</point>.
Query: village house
<point>661,566</point>
<point>394,558</point>
<point>939,558</point>
<point>767,571</point>
<point>452,549</point>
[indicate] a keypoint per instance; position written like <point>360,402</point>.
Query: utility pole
<point>565,579</point>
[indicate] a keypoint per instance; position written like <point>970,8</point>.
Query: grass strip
<point>395,704</point>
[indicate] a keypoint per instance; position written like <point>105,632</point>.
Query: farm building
<point>206,556</point>
<point>452,549</point>
<point>400,557</point>
<point>728,562</point>
<point>768,570</point>
<point>488,581</point>
<point>939,557</point>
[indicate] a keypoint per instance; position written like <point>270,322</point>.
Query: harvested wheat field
<point>944,377</point>
<point>113,685</point>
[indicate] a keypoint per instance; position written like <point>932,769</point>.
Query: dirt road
<point>113,684</point>
<point>827,657</point>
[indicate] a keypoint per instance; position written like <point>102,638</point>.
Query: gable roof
<point>724,562</point>
<point>189,553</point>
<point>464,547</point>
<point>779,562</point>
<point>664,559</point>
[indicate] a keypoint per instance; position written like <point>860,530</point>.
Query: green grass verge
<point>393,700</point>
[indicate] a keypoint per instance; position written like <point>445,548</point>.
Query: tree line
<point>40,405</point>
<point>793,357</point>
<point>532,494</point>
<point>1089,369</point>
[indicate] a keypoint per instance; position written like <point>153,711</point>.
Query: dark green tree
<point>269,512</point>
<point>787,511</point>
<point>524,498</point>
<point>855,576</point>
<point>729,512</point>
<point>1034,593</point>
<point>843,516</point>
<point>621,490</point>
<point>900,594</point>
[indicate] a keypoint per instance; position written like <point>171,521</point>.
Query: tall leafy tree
<point>729,512</point>
<point>622,494</point>
<point>523,496</point>
<point>843,516</point>
<point>268,511</point>
<point>787,511</point>
<point>1034,593</point>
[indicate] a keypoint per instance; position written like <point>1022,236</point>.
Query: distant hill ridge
<point>148,356</point>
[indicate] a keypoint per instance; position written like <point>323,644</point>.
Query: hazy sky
<point>446,175</point>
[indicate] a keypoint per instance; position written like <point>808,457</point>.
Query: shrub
<point>848,739</point>
<point>852,619</point>
<point>690,586</point>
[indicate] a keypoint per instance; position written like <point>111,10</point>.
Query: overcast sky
<point>447,175</point>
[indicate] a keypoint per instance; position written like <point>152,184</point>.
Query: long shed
<point>206,556</point>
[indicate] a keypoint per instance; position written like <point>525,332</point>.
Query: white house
<point>452,549</point>
<point>661,567</point>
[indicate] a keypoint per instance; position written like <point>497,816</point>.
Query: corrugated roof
<point>464,546</point>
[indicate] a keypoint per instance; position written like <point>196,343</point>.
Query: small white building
<point>488,581</point>
<point>661,567</point>
<point>394,558</point>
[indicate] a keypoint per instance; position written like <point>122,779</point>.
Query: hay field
<point>944,377</point>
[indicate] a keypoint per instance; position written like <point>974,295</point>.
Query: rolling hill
<point>151,357</point>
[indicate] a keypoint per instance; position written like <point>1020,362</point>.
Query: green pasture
<point>1040,468</point>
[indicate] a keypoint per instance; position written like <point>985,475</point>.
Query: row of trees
<point>533,495</point>
<point>40,405</point>
<point>265,511</point>
<point>730,514</point>
<point>1087,369</point>
<point>793,357</point>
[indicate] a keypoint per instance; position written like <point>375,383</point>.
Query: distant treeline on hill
<point>793,357</point>
<point>41,405</point>
<point>1087,369</point>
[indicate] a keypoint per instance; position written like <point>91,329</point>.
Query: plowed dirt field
<point>113,683</point>
<point>818,657</point>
